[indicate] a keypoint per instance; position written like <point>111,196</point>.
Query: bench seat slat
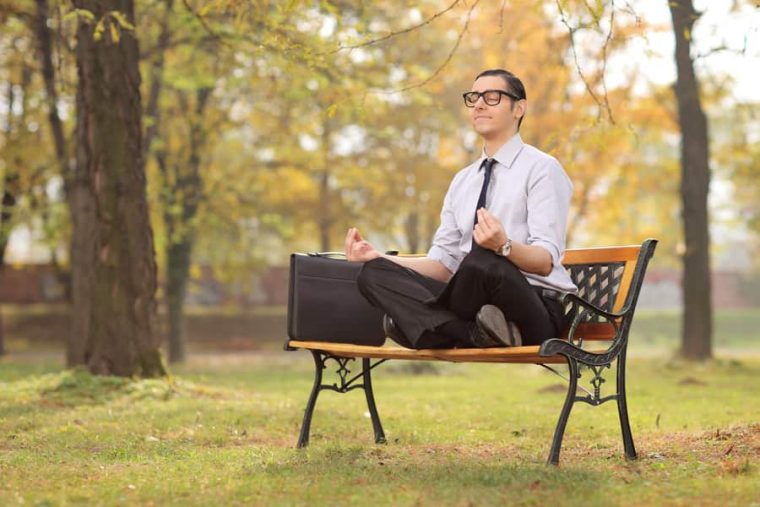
<point>527,354</point>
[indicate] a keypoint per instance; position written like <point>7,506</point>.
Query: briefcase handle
<point>341,255</point>
<point>328,255</point>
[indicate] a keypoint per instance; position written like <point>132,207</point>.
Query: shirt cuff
<point>439,254</point>
<point>549,247</point>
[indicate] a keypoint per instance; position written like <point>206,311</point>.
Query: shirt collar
<point>507,153</point>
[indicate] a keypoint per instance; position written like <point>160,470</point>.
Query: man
<point>493,275</point>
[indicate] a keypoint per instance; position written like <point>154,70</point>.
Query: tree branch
<point>445,62</point>
<point>204,23</point>
<point>400,32</point>
<point>501,16</point>
<point>723,48</point>
<point>603,103</point>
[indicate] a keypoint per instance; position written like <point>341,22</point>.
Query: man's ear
<point>522,108</point>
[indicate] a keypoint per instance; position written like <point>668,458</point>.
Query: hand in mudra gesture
<point>358,249</point>
<point>488,232</point>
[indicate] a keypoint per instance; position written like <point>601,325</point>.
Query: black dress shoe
<point>393,332</point>
<point>493,330</point>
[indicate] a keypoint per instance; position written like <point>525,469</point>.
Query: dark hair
<point>514,85</point>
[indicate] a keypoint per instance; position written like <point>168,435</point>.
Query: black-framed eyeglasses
<point>491,97</point>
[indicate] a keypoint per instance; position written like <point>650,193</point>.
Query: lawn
<point>222,432</point>
<point>36,328</point>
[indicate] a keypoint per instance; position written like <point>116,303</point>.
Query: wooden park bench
<point>599,318</point>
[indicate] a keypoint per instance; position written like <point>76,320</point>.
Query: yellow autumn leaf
<point>97,34</point>
<point>115,35</point>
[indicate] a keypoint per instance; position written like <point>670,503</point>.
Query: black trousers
<point>419,304</point>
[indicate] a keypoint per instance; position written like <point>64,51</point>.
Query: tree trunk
<point>696,342</point>
<point>178,256</point>
<point>112,256</point>
<point>325,211</point>
<point>152,111</point>
<point>45,46</point>
<point>10,181</point>
<point>187,193</point>
<point>44,36</point>
<point>8,205</point>
<point>412,229</point>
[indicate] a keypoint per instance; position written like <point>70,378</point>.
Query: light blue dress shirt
<point>529,193</point>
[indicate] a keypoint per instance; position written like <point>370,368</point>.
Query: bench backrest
<point>610,278</point>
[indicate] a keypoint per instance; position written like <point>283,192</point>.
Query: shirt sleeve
<point>445,248</point>
<point>549,194</point>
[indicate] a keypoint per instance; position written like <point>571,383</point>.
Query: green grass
<point>36,328</point>
<point>737,329</point>
<point>222,432</point>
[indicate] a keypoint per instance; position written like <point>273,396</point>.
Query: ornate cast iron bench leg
<point>559,431</point>
<point>376,425</point>
<point>594,399</point>
<point>319,365</point>
<point>346,384</point>
<point>622,404</point>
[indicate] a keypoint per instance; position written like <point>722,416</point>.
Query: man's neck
<point>492,144</point>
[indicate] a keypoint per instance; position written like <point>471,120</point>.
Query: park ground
<point>221,431</point>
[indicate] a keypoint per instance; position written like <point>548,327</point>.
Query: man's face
<point>499,119</point>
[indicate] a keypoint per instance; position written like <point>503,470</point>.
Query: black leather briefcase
<point>324,303</point>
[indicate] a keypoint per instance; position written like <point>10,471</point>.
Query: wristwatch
<point>506,249</point>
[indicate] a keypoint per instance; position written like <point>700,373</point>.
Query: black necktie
<point>488,166</point>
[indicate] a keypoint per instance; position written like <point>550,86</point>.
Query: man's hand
<point>357,249</point>
<point>489,233</point>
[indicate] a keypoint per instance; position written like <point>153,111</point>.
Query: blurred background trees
<point>269,127</point>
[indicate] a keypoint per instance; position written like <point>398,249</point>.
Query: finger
<point>349,240</point>
<point>483,222</point>
<point>489,220</point>
<point>477,235</point>
<point>494,225</point>
<point>357,235</point>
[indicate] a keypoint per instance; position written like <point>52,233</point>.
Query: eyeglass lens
<point>491,97</point>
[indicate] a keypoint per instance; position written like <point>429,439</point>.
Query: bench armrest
<point>572,347</point>
<point>555,346</point>
<point>574,298</point>
<point>590,308</point>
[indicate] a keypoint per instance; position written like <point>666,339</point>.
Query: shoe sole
<point>498,333</point>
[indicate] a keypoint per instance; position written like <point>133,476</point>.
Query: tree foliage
<point>273,126</point>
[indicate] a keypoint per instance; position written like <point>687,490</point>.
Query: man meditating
<point>492,277</point>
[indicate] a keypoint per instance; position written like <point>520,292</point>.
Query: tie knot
<point>488,164</point>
